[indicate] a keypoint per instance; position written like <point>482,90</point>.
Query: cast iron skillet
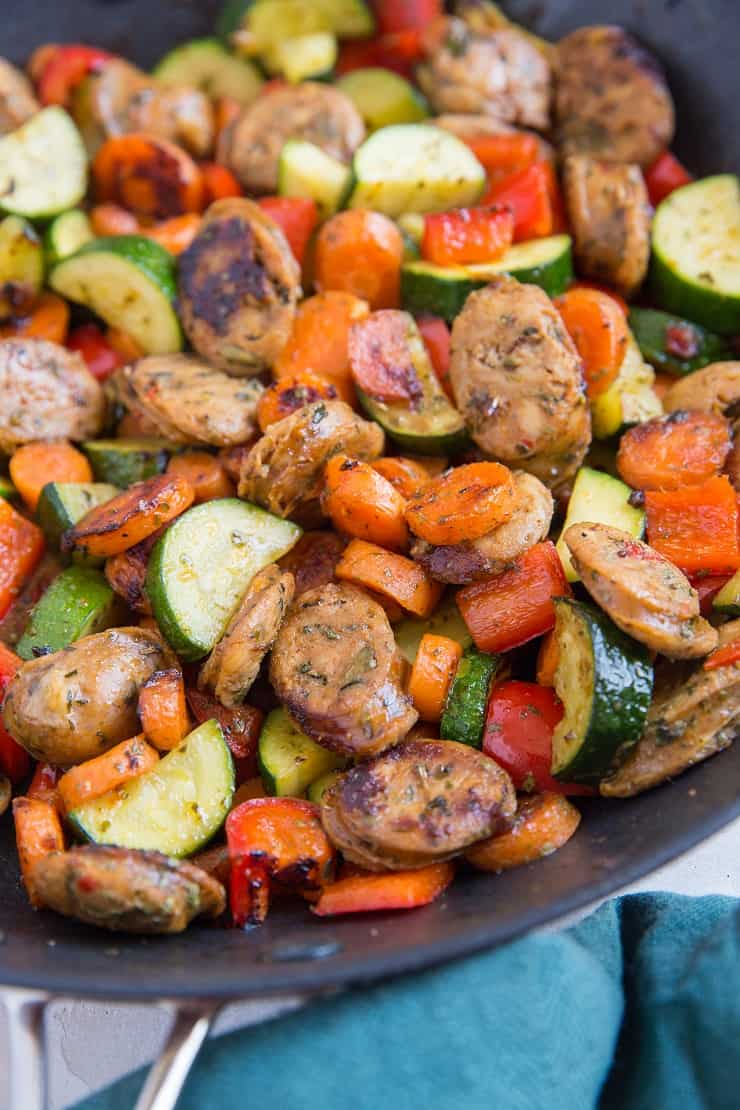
<point>618,841</point>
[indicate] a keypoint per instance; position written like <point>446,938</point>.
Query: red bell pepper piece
<point>696,527</point>
<point>43,785</point>
<point>218,182</point>
<point>365,891</point>
<point>297,216</point>
<point>15,762</point>
<point>436,336</point>
<point>529,196</point>
<point>64,70</point>
<point>467,235</point>
<point>665,175</point>
<point>101,358</point>
<point>21,547</point>
<point>504,155</point>
<point>398,52</point>
<point>708,586</point>
<point>723,656</point>
<point>240,726</point>
<point>514,607</point>
<point>401,15</point>
<point>275,840</point>
<point>520,722</point>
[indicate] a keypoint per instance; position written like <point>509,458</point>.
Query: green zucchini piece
<point>201,566</point>
<point>129,282</point>
<point>630,399</point>
<point>695,266</point>
<point>446,620</point>
<point>289,761</point>
<point>43,166</point>
<point>605,681</point>
<point>465,712</point>
<point>271,21</point>
<point>231,18</point>
<point>319,787</point>
<point>122,462</point>
<point>383,97</point>
<point>21,266</point>
<point>7,489</point>
<point>599,499</point>
<point>66,234</point>
<point>674,345</point>
<point>79,602</point>
<point>303,58</point>
<point>414,167</point>
<point>62,504</point>
<point>175,808</point>
<point>727,601</point>
<point>305,170</point>
<point>443,290</point>
<point>207,65</point>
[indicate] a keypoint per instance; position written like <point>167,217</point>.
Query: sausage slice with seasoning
<point>17,101</point>
<point>643,593</point>
<point>715,388</point>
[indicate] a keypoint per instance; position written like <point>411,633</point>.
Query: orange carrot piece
<point>48,318</point>
<point>360,252</point>
<point>21,547</point>
<point>130,517</point>
<point>682,449</point>
<point>696,527</point>
<point>124,344</point>
<point>206,474</point>
<point>362,503</point>
<point>113,219</point>
<point>433,670</point>
<point>38,832</point>
<point>291,393</point>
<point>543,823</point>
<point>397,890</point>
<point>113,768</point>
<point>723,656</point>
<point>394,576</point>
<point>219,182</point>
<point>226,110</point>
<point>175,234</point>
<point>163,711</point>
<point>405,475</point>
<point>319,339</point>
<point>598,327</point>
<point>463,504</point>
<point>547,660</point>
<point>609,292</point>
<point>45,784</point>
<point>34,464</point>
<point>151,177</point>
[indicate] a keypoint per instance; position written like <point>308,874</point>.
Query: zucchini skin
<point>649,327</point>
<point>464,716</point>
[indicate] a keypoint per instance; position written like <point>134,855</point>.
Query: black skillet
<point>618,841</point>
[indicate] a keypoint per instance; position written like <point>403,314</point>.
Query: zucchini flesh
<point>303,58</point>
<point>122,462</point>
<point>604,680</point>
<point>7,490</point>
<point>43,166</point>
<point>79,602</point>
<point>464,715</point>
<point>446,620</point>
<point>319,787</point>
<point>206,64</point>
<point>305,170</point>
<point>66,234</point>
<point>599,499</point>
<point>674,345</point>
<point>62,504</point>
<point>383,97</point>
<point>630,399</point>
<point>728,599</point>
<point>270,21</point>
<point>290,761</point>
<point>175,808</point>
<point>21,266</point>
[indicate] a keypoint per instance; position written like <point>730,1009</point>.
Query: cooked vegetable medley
<point>369,457</point>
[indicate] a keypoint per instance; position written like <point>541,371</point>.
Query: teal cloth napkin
<point>635,1008</point>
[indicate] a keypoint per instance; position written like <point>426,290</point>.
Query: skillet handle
<point>26,1048</point>
<point>190,1027</point>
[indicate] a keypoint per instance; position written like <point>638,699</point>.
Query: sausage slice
<point>235,661</point>
<point>517,379</point>
<point>238,288</point>
<point>126,890</point>
<point>47,392</point>
<point>612,100</point>
<point>313,559</point>
<point>716,388</point>
<point>609,213</point>
<point>336,669</point>
<point>17,101</point>
<point>643,593</point>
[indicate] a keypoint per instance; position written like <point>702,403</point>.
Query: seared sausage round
<point>284,470</point>
<point>125,890</point>
<point>313,559</point>
<point>235,661</point>
<point>422,802</point>
<point>17,101</point>
<point>318,113</point>
<point>609,214</point>
<point>238,288</point>
<point>336,669</point>
<point>517,379</point>
<point>716,388</point>
<point>72,705</point>
<point>473,559</point>
<point>189,401</point>
<point>46,392</point>
<point>498,73</point>
<point>612,100</point>
<point>643,593</point>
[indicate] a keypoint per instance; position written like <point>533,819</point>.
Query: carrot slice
<point>151,177</point>
<point>362,503</point>
<point>360,252</point>
<point>547,660</point>
<point>130,517</point>
<point>219,182</point>
<point>113,768</point>
<point>175,234</point>
<point>543,823</point>
<point>397,890</point>
<point>205,473</point>
<point>21,547</point>
<point>609,292</point>
<point>319,339</point>
<point>463,504</point>
<point>433,670</point>
<point>35,464</point>
<point>47,319</point>
<point>38,832</point>
<point>112,219</point>
<point>405,475</point>
<point>682,449</point>
<point>599,330</point>
<point>393,576</point>
<point>291,393</point>
<point>696,527</point>
<point>723,656</point>
<point>162,709</point>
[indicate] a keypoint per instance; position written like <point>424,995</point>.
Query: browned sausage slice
<point>517,379</point>
<point>47,392</point>
<point>609,214</point>
<point>336,669</point>
<point>125,890</point>
<point>17,101</point>
<point>716,388</point>
<point>238,288</point>
<point>612,100</point>
<point>235,661</point>
<point>313,559</point>
<point>643,593</point>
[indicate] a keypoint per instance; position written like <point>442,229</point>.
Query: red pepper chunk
<point>436,335</point>
<point>240,726</point>
<point>724,656</point>
<point>15,762</point>
<point>696,527</point>
<point>21,547</point>
<point>101,358</point>
<point>403,15</point>
<point>665,175</point>
<point>467,235</point>
<point>296,216</point>
<point>66,67</point>
<point>529,195</point>
<point>504,155</point>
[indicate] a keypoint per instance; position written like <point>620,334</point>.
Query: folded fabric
<point>635,1008</point>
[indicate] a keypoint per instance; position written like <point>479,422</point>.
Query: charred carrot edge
<point>462,504</point>
<point>163,711</point>
<point>393,576</point>
<point>685,449</point>
<point>364,504</point>
<point>113,768</point>
<point>48,318</point>
<point>131,516</point>
<point>399,890</point>
<point>290,393</point>
<point>543,824</point>
<point>34,464</point>
<point>38,833</point>
<point>433,670</point>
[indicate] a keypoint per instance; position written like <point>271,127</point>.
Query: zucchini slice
<point>62,504</point>
<point>7,490</point>
<point>305,170</point>
<point>121,462</point>
<point>175,808</point>
<point>21,266</point>
<point>443,290</point>
<point>201,566</point>
<point>79,602</point>
<point>270,21</point>
<point>674,345</point>
<point>465,713</point>
<point>446,620</point>
<point>66,234</point>
<point>290,761</point>
<point>43,166</point>
<point>383,97</point>
<point>728,599</point>
<point>695,268</point>
<point>319,787</point>
<point>303,58</point>
<point>129,282</point>
<point>599,499</point>
<point>605,681</point>
<point>414,167</point>
<point>630,399</point>
<point>207,65</point>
